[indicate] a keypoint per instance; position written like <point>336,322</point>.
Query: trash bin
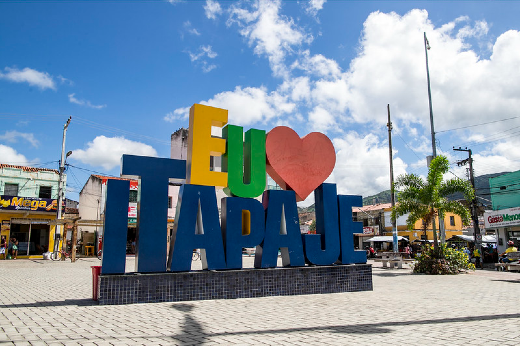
<point>96,270</point>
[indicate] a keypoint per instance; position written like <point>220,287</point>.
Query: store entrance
<point>33,239</point>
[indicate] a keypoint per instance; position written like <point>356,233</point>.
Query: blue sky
<point>127,71</point>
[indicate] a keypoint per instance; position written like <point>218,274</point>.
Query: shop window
<point>133,196</point>
<point>45,192</point>
<point>170,202</point>
<point>11,189</point>
<point>452,220</point>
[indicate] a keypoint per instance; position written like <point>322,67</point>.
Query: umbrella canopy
<point>385,238</point>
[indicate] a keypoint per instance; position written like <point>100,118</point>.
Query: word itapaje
<point>271,225</point>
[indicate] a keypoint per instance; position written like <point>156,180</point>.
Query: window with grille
<point>11,189</point>
<point>169,202</point>
<point>452,220</point>
<point>45,192</point>
<point>133,196</point>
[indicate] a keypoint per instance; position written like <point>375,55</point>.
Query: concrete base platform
<point>231,284</point>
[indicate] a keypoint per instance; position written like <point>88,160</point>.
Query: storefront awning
<point>470,238</point>
<point>385,238</point>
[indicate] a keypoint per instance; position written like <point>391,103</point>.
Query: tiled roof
<point>29,169</point>
<point>373,207</point>
<point>102,177</point>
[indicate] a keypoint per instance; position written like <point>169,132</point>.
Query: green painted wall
<point>505,191</point>
<point>29,182</point>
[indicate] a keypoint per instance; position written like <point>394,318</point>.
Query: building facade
<point>504,219</point>
<point>91,210</point>
<point>452,225</point>
<point>28,207</point>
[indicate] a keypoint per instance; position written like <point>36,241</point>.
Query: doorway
<point>32,236</point>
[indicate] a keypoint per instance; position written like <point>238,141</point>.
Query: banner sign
<point>28,203</point>
<point>502,218</point>
<point>368,230</point>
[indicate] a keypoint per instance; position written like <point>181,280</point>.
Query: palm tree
<point>424,200</point>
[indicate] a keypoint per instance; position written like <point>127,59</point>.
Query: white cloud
<point>204,51</point>
<point>362,165</point>
<point>13,136</point>
<point>212,9</point>
<point>85,103</point>
<point>42,80</point>
<point>320,119</point>
<point>178,114</point>
<point>190,29</point>
<point>9,156</point>
<point>106,152</point>
<point>64,80</point>
<point>317,65</point>
<point>200,58</point>
<point>206,67</point>
<point>250,105</point>
<point>314,6</point>
<point>299,88</point>
<point>270,33</point>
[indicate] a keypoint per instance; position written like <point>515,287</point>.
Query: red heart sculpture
<point>298,164</point>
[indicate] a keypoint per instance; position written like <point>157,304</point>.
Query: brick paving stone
<point>49,303</point>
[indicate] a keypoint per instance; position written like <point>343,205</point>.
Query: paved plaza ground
<point>49,303</point>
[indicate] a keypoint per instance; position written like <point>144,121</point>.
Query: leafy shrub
<point>442,262</point>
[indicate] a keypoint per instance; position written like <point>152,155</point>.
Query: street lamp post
<point>434,147</point>
<point>60,185</point>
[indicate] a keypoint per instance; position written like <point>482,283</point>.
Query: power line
<point>468,126</point>
<point>409,147</point>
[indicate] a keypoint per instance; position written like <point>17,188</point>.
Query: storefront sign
<point>132,211</point>
<point>502,218</point>
<point>28,203</point>
<point>368,230</point>
<point>298,165</point>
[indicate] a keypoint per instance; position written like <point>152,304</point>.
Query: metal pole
<point>426,48</point>
<point>434,145</point>
<point>392,194</point>
<point>60,185</point>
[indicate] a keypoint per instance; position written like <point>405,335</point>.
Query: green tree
<point>312,226</point>
<point>424,200</point>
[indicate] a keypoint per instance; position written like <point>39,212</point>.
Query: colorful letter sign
<point>298,165</point>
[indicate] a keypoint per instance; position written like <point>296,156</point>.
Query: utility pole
<point>392,194</point>
<point>60,186</point>
<point>434,145</point>
<point>474,211</point>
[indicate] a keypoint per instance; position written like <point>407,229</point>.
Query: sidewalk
<point>49,303</point>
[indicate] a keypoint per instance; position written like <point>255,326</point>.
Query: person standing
<point>14,248</point>
<point>477,255</point>
<point>3,247</point>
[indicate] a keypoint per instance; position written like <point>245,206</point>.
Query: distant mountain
<point>381,197</point>
<point>481,188</point>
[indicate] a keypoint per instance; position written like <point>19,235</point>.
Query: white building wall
<point>401,221</point>
<point>90,207</point>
